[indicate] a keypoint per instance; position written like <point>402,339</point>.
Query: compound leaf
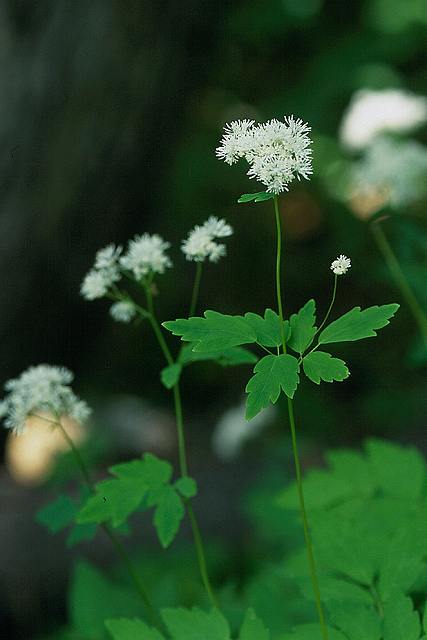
<point>272,374</point>
<point>127,629</point>
<point>267,329</point>
<point>194,624</point>
<point>357,324</point>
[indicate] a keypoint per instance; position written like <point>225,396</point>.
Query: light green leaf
<point>253,628</point>
<point>58,514</point>
<point>357,324</point>
<point>261,196</point>
<point>125,629</point>
<point>311,631</point>
<point>214,332</point>
<point>168,515</point>
<point>150,469</point>
<point>93,598</point>
<point>320,365</point>
<point>227,357</point>
<point>186,486</point>
<point>267,329</point>
<point>170,375</point>
<point>399,471</point>
<point>401,622</point>
<point>302,327</point>
<point>321,489</point>
<point>355,620</point>
<point>194,624</point>
<point>272,374</point>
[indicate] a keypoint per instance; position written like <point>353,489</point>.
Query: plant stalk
<point>196,289</point>
<point>303,512</point>
<point>401,282</point>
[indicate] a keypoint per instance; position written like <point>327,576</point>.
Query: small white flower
<point>277,152</point>
<point>146,254</point>
<point>371,113</point>
<point>341,265</point>
<point>122,311</point>
<point>95,285</point>
<point>200,243</point>
<point>41,389</point>
<point>107,262</point>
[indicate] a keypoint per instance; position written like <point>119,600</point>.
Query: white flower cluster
<point>146,254</point>
<point>341,265</point>
<point>396,169</point>
<point>122,311</point>
<point>277,152</point>
<point>43,388</point>
<point>105,272</point>
<point>372,113</point>
<point>200,242</point>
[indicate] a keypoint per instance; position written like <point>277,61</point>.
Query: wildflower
<point>95,285</point>
<point>122,311</point>
<point>43,388</point>
<point>200,242</point>
<point>277,152</point>
<point>371,113</point>
<point>396,169</point>
<point>341,265</point>
<point>146,254</point>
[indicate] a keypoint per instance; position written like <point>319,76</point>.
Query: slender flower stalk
<point>196,289</point>
<point>307,537</point>
<point>183,464</point>
<point>400,279</point>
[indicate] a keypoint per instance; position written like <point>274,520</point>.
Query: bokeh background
<point>109,117</point>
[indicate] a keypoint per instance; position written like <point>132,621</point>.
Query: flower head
<point>104,273</point>
<point>95,285</point>
<point>122,311</point>
<point>200,242</point>
<point>341,265</point>
<point>277,152</point>
<point>43,388</point>
<point>371,113</point>
<point>146,254</point>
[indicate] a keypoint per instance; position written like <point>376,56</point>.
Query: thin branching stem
<point>307,537</point>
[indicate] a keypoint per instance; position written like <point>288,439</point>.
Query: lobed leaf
<point>302,327</point>
<point>401,622</point>
<point>194,624</point>
<point>267,329</point>
<point>186,486</point>
<point>214,332</point>
<point>320,365</point>
<point>357,324</point>
<point>355,620</point>
<point>168,515</point>
<point>311,631</point>
<point>253,628</point>
<point>261,196</point>
<point>272,374</point>
<point>170,375</point>
<point>227,357</point>
<point>58,514</point>
<point>127,629</point>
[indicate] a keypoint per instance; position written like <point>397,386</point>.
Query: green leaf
<point>261,196</point>
<point>93,598</point>
<point>58,514</point>
<point>194,624</point>
<point>186,486</point>
<point>168,515</point>
<point>227,357</point>
<point>125,629</point>
<point>312,631</point>
<point>302,327</point>
<point>253,628</point>
<point>355,620</point>
<point>214,332</point>
<point>170,375</point>
<point>80,533</point>
<point>399,471</point>
<point>401,622</point>
<point>267,329</point>
<point>357,324</point>
<point>272,374</point>
<point>321,489</point>
<point>333,589</point>
<point>320,365</point>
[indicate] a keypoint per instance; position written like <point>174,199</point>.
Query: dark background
<point>109,116</point>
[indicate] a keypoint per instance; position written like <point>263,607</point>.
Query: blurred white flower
<point>146,254</point>
<point>200,242</point>
<point>341,265</point>
<point>95,285</point>
<point>122,311</point>
<point>277,152</point>
<point>232,431</point>
<point>395,169</point>
<point>43,388</point>
<point>107,261</point>
<point>371,113</point>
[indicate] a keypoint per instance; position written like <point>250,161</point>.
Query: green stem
<point>183,465</point>
<point>121,551</point>
<point>196,289</point>
<point>307,537</point>
<point>328,313</point>
<point>400,278</point>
